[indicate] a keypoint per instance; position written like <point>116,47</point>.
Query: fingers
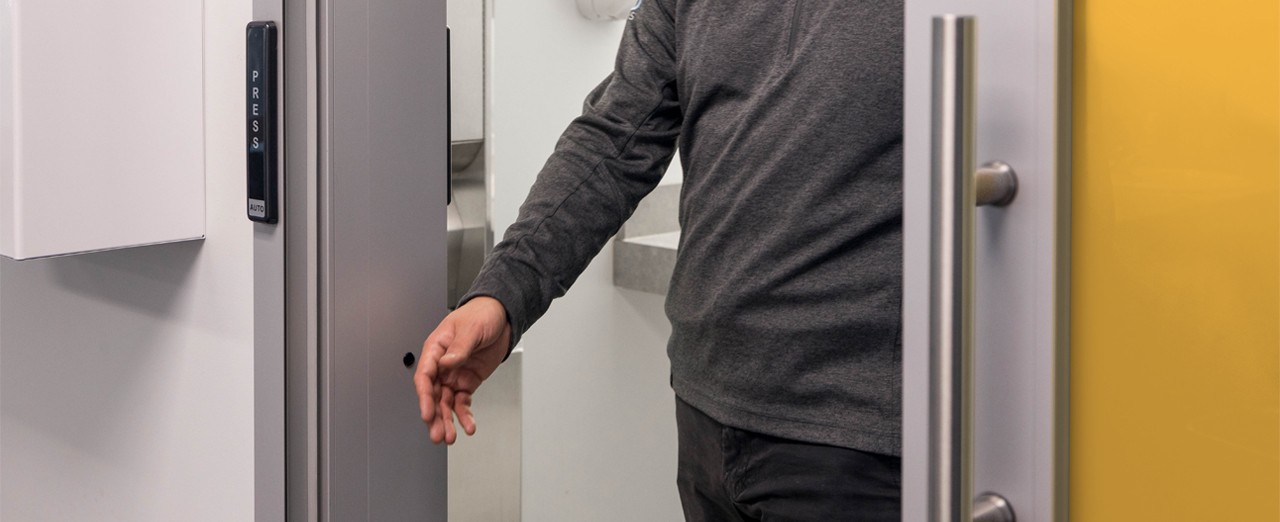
<point>446,403</point>
<point>433,348</point>
<point>426,402</point>
<point>462,407</point>
<point>436,424</point>
<point>425,377</point>
<point>446,414</point>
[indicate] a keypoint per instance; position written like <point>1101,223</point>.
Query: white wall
<point>126,378</point>
<point>598,413</point>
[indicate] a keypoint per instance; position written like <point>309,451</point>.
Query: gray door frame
<point>285,286</point>
<point>269,320</point>
<point>1022,254</point>
<point>301,255</point>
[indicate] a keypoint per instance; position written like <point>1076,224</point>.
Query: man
<point>785,301</point>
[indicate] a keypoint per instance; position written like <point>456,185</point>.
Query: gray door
<point>989,282</point>
<point>365,194</point>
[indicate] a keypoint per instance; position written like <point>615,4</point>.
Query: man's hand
<point>462,352</point>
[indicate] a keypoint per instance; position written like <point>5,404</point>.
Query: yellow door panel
<point>1175,328</point>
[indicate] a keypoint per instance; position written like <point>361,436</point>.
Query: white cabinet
<point>101,125</point>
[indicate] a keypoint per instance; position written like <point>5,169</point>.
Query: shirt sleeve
<point>605,162</point>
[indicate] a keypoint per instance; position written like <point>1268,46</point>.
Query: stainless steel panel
<point>383,172</point>
<point>470,234</point>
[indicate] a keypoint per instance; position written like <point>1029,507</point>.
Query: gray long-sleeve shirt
<point>785,302</point>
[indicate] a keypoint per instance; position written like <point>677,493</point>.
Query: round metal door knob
<point>990,507</point>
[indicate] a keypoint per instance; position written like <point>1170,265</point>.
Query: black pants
<point>728,475</point>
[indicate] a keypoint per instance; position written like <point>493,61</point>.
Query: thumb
<point>459,349</point>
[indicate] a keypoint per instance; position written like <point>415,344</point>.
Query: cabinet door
<point>102,122</point>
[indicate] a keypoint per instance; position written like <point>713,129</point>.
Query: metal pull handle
<point>957,189</point>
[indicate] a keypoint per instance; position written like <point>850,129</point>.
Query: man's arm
<point>605,162</point>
